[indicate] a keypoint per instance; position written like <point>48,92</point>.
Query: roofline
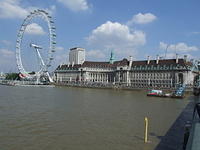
<point>74,48</point>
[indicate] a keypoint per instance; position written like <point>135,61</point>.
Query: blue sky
<point>130,27</point>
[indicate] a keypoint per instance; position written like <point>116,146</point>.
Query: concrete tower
<point>77,55</point>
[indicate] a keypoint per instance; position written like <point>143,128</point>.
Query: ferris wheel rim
<point>52,42</point>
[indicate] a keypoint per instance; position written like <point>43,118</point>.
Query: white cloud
<point>97,54</point>
<point>6,42</point>
<point>51,10</point>
<point>162,45</point>
<point>6,53</point>
<point>179,47</point>
<point>75,5</point>
<point>195,33</point>
<point>173,56</point>
<point>13,9</point>
<point>7,60</point>
<point>142,18</point>
<point>112,34</point>
<point>117,37</point>
<point>34,29</point>
<point>59,48</point>
<point>60,57</point>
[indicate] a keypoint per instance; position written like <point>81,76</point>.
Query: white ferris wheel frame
<point>52,42</point>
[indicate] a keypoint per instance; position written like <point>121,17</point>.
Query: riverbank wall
<point>188,90</point>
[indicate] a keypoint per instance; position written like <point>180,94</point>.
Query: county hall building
<point>158,73</point>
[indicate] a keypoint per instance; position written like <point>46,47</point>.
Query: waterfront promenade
<point>173,139</point>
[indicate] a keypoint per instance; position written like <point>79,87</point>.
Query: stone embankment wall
<point>108,86</point>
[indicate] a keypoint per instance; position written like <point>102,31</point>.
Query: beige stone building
<point>164,73</point>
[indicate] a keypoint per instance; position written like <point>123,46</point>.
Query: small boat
<point>158,93</point>
<point>155,93</point>
<point>177,96</point>
<point>179,93</point>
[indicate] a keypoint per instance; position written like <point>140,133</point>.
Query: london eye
<point>35,47</point>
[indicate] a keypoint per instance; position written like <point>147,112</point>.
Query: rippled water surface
<point>64,118</point>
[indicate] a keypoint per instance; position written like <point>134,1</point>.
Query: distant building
<point>77,55</point>
<point>164,73</point>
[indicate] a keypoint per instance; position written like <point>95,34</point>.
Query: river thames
<point>64,118</point>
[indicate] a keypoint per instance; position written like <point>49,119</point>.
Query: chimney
<point>148,60</point>
<point>185,58</point>
<point>130,61</point>
<point>176,58</point>
<point>157,59</point>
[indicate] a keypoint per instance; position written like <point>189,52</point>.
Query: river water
<point>64,118</point>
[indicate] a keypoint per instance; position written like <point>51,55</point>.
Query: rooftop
<point>77,48</point>
<point>125,62</point>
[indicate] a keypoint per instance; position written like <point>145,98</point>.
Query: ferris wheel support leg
<point>40,57</point>
<point>43,64</point>
<point>50,79</point>
<point>37,79</point>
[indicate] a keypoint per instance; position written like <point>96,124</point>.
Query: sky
<point>137,28</point>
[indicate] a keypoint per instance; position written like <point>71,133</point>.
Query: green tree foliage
<point>12,76</point>
<point>32,73</point>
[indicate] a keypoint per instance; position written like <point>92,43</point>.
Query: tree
<point>12,76</point>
